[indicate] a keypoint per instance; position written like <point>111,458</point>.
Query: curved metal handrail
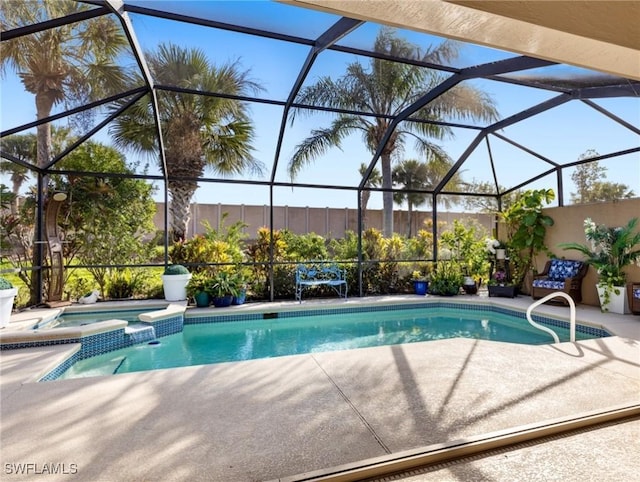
<point>572,306</point>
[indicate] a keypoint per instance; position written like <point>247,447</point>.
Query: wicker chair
<point>633,292</point>
<point>560,275</point>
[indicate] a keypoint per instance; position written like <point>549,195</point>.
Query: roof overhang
<point>598,35</point>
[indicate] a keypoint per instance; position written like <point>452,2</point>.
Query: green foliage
<point>466,241</point>
<point>123,283</point>
<point>446,278</point>
<point>344,248</point>
<point>223,284</point>
<point>174,269</point>
<point>526,230</point>
<point>78,285</point>
<point>301,247</point>
<point>610,251</point>
<point>198,283</point>
<point>104,219</point>
<point>589,179</point>
<point>5,284</point>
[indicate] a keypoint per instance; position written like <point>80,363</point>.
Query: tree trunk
<point>364,201</point>
<point>44,104</point>
<point>15,189</point>
<point>387,196</point>
<point>180,208</point>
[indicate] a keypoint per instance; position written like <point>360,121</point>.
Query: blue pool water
<point>207,343</point>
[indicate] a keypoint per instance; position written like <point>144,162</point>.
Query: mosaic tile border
<point>546,320</point>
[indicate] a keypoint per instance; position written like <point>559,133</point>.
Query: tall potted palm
<point>610,251</point>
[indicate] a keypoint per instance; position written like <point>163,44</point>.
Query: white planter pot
<point>175,286</point>
<point>618,303</point>
<point>6,305</point>
<point>501,253</point>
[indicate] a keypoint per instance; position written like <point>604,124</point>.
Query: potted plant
<point>240,280</point>
<point>420,282</point>
<point>174,281</point>
<point>7,295</point>
<point>496,248</point>
<point>222,288</point>
<point>197,289</point>
<point>526,225</point>
<point>499,285</point>
<point>611,250</point>
<point>446,279</point>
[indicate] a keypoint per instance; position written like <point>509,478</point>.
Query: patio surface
<point>275,418</point>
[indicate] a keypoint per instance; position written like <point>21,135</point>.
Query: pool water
<point>208,343</point>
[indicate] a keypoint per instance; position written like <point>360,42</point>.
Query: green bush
<point>122,284</point>
<point>446,279</point>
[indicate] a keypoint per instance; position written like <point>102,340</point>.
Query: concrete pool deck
<point>275,418</point>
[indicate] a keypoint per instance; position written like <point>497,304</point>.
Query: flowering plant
<point>498,278</point>
<point>492,244</point>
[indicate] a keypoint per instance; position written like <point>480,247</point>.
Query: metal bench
<point>317,275</point>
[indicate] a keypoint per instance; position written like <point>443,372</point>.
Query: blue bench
<point>308,276</point>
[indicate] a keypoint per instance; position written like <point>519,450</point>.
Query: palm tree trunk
<point>180,208</point>
<point>387,196</point>
<point>364,201</point>
<point>15,189</point>
<point>44,104</point>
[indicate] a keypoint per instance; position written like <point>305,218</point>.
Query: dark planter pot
<point>420,287</point>
<point>239,300</point>
<point>202,299</point>
<point>470,289</point>
<point>503,291</point>
<point>223,301</point>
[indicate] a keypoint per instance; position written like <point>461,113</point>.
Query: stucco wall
<point>568,227</point>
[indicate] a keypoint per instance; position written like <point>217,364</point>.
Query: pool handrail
<point>572,307</point>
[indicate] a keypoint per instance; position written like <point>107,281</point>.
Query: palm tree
<point>411,174</point>
<point>70,63</point>
<point>199,131</point>
<point>387,88</point>
<point>375,180</point>
<point>23,148</point>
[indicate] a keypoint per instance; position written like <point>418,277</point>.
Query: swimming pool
<point>206,343</point>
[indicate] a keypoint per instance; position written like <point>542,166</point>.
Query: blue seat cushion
<point>548,283</point>
<point>563,268</point>
<point>636,293</point>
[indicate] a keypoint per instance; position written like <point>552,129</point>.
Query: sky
<point>560,135</point>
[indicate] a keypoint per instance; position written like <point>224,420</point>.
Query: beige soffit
<point>598,35</point>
